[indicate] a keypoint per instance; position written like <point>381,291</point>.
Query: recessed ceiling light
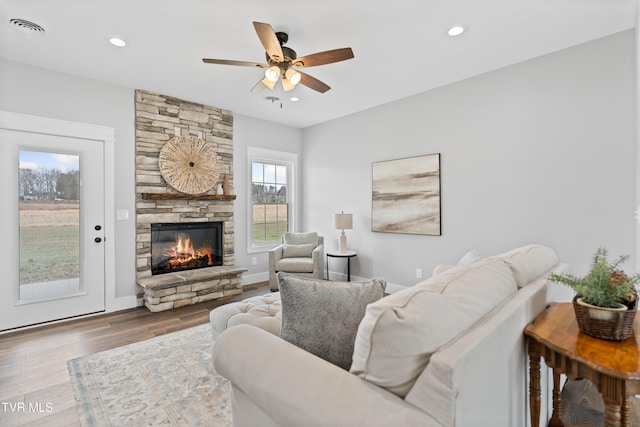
<point>117,42</point>
<point>455,31</point>
<point>294,99</point>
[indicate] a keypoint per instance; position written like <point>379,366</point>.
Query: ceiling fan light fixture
<point>293,76</point>
<point>280,58</point>
<point>272,73</point>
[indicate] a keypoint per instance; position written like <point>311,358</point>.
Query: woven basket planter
<point>619,327</point>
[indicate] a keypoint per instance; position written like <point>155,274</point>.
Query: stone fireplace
<point>176,215</point>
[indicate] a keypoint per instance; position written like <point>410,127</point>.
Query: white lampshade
<point>293,76</point>
<point>287,86</point>
<point>272,73</point>
<point>268,83</point>
<point>343,221</point>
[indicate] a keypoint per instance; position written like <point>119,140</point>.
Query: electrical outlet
<point>254,261</point>
<point>418,273</point>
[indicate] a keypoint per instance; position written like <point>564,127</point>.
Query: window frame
<point>283,158</point>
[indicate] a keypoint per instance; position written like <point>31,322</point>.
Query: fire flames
<point>183,254</point>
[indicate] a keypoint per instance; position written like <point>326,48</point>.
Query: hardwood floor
<point>35,389</point>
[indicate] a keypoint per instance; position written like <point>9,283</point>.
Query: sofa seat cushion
<point>322,317</point>
<point>295,265</point>
<point>400,332</point>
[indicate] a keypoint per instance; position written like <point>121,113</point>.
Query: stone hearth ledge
<point>173,290</point>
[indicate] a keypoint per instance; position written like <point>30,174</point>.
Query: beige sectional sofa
<point>448,351</point>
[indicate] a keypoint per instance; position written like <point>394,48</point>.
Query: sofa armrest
<point>294,387</point>
<point>453,387</point>
<point>275,255</point>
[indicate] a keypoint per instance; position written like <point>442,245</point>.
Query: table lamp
<point>343,221</point>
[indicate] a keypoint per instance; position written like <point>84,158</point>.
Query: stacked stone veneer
<point>158,119</point>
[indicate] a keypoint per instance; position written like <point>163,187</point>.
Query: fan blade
<point>228,62</point>
<point>326,57</point>
<point>313,83</point>
<point>258,87</point>
<point>269,40</point>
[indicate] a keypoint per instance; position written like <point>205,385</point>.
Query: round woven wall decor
<point>189,164</point>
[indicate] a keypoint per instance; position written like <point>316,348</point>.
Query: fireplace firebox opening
<point>186,246</point>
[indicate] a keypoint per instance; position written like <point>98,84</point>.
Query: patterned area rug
<point>168,380</point>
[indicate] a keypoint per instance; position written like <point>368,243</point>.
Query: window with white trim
<point>271,209</point>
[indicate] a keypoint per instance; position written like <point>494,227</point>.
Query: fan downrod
<point>283,38</point>
<point>286,51</point>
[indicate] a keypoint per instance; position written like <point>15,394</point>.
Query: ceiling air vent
<point>27,25</point>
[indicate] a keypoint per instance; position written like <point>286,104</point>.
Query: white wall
<point>250,132</point>
<point>542,151</point>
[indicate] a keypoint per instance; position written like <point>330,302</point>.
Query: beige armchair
<point>300,254</point>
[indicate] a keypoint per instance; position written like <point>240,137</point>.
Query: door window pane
<point>49,205</point>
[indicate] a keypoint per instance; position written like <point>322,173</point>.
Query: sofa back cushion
<point>300,238</point>
<point>529,262</point>
<point>299,245</point>
<point>400,332</point>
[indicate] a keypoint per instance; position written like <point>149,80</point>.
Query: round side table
<point>346,254</point>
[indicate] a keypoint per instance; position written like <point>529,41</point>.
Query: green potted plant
<point>606,298</point>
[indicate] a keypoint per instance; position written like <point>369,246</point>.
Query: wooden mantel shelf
<point>172,196</point>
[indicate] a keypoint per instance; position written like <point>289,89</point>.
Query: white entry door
<point>52,207</point>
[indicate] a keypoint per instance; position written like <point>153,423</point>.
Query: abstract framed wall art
<point>405,195</point>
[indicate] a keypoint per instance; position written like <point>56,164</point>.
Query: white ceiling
<point>401,47</point>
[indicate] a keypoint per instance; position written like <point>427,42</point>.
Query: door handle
<point>97,240</point>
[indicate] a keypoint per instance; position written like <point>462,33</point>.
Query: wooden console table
<point>612,366</point>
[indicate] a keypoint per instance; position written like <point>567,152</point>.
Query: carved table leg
<point>612,415</point>
<point>625,419</point>
<point>534,383</point>
<point>617,408</point>
<point>557,401</point>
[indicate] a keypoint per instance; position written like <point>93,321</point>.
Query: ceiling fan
<point>283,63</point>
